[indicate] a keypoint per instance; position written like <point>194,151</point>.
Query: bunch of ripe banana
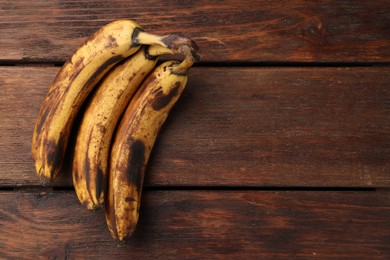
<point>124,96</point>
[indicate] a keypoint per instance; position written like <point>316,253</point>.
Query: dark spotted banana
<point>134,140</point>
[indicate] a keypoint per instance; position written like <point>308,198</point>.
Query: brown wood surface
<point>202,224</point>
<point>239,127</point>
<point>271,31</point>
<point>279,146</point>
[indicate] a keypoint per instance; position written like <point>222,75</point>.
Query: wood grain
<point>263,127</point>
<point>193,224</point>
<point>262,30</point>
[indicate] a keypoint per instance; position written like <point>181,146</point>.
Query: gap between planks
<point>38,63</point>
<point>200,188</point>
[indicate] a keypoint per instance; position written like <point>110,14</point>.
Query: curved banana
<point>134,140</point>
<point>75,81</point>
<point>99,120</point>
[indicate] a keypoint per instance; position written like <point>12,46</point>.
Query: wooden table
<point>279,146</point>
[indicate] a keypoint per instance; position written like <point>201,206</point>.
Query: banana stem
<point>157,50</point>
<point>176,42</point>
<point>149,39</point>
<point>183,67</point>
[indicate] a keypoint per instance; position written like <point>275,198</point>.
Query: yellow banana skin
<point>112,43</point>
<point>99,120</point>
<point>133,142</point>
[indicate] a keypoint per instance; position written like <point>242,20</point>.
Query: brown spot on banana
<point>42,119</point>
<point>78,66</point>
<point>93,183</point>
<point>102,128</point>
<point>161,100</point>
<point>55,151</point>
<point>111,42</point>
<point>86,174</point>
<point>100,183</point>
<point>136,163</point>
<point>76,176</point>
<point>130,199</point>
<point>119,94</point>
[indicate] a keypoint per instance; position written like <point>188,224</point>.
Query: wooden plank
<point>193,224</point>
<point>239,126</point>
<point>270,31</point>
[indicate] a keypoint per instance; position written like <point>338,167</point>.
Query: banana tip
<point>94,207</point>
<point>120,243</point>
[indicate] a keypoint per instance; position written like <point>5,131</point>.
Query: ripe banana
<point>99,120</point>
<point>134,140</point>
<point>75,81</point>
